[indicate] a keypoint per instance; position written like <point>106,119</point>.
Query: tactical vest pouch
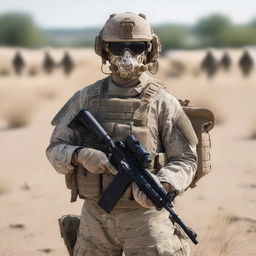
<point>69,179</point>
<point>83,183</point>
<point>88,184</point>
<point>202,120</point>
<point>69,225</point>
<point>107,178</point>
<point>160,161</point>
<point>71,183</point>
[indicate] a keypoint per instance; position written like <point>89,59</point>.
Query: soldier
<point>48,63</point>
<point>67,63</point>
<point>209,64</point>
<point>246,63</point>
<point>129,101</point>
<point>225,61</point>
<point>18,63</point>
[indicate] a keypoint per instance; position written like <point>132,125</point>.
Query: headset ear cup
<point>98,47</point>
<point>156,49</point>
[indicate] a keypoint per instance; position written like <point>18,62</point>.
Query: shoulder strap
<point>95,93</point>
<point>140,116</point>
<point>64,109</point>
<point>151,90</point>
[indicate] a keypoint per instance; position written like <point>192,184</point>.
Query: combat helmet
<point>125,27</point>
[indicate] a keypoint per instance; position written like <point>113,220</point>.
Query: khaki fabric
<point>95,161</point>
<point>140,197</point>
<point>158,129</point>
<point>127,26</point>
<point>69,225</point>
<point>202,120</point>
<point>130,228</point>
<point>135,232</point>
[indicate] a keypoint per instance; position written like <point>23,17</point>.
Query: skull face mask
<point>128,65</point>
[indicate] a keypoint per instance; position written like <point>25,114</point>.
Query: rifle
<point>130,159</point>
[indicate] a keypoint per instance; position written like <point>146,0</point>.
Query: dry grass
<point>47,91</point>
<point>200,90</point>
<point>20,114</point>
<point>4,186</point>
<point>17,105</point>
<point>20,97</point>
<point>252,135</point>
<point>218,111</point>
<point>226,237</point>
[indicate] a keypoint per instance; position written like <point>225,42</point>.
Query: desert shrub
<point>172,36</point>
<point>219,114</point>
<point>18,115</point>
<point>225,237</point>
<point>236,36</point>
<point>46,92</point>
<point>4,186</point>
<point>253,130</point>
<point>208,28</point>
<point>17,105</point>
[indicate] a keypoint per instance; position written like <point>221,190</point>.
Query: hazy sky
<point>81,13</point>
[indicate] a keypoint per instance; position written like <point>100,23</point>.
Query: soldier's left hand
<point>140,196</point>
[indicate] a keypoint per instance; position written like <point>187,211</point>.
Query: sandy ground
<point>33,196</point>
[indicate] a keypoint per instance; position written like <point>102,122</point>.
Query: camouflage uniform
<point>130,227</point>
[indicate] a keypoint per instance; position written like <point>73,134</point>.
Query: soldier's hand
<point>95,161</point>
<point>141,197</point>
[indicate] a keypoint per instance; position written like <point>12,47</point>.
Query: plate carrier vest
<point>123,116</point>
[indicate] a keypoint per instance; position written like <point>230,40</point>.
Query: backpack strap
<point>94,95</point>
<point>151,90</point>
<point>62,112</point>
<point>140,116</point>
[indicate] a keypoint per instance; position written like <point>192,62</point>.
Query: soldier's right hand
<point>95,161</point>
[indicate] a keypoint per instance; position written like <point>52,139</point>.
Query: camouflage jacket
<point>181,156</point>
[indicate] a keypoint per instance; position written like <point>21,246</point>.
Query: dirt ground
<point>221,209</point>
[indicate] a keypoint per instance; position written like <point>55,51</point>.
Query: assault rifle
<point>130,159</point>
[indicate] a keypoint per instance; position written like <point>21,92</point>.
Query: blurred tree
<point>172,36</point>
<point>237,36</point>
<point>18,63</point>
<point>208,28</point>
<point>253,23</point>
<point>19,29</point>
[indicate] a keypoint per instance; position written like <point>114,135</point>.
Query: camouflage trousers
<point>135,232</point>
